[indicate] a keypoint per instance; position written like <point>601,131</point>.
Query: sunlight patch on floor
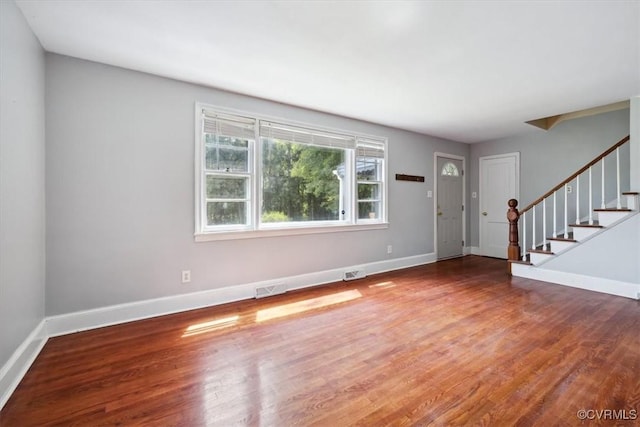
<point>383,285</point>
<point>213,325</point>
<point>306,305</point>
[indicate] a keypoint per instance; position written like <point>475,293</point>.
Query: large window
<point>258,175</point>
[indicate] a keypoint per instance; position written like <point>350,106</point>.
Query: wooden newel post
<point>513,252</point>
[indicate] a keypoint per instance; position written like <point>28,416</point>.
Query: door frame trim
<point>515,154</point>
<point>437,155</point>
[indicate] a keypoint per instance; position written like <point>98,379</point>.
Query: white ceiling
<point>463,70</point>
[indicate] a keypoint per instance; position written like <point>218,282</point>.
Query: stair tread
<point>513,261</point>
<point>568,235</point>
<point>613,210</point>
<point>562,239</point>
<point>594,225</point>
<point>541,251</point>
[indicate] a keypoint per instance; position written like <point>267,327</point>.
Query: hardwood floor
<point>453,343</point>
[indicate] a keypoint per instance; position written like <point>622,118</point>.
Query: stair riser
<point>557,246</point>
<point>537,258</point>
<point>607,218</point>
<point>581,233</point>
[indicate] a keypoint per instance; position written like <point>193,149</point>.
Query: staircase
<point>542,237</point>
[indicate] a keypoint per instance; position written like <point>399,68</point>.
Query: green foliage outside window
<point>272,216</point>
<point>298,181</point>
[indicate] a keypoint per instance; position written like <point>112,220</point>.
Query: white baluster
<point>555,225</point>
<point>544,224</point>
<point>618,195</point>
<point>533,229</point>
<point>590,199</point>
<point>578,199</point>
<point>603,204</point>
<point>566,212</point>
<point>524,236</point>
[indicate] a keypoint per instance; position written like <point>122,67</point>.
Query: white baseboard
<point>106,316</point>
<point>607,286</point>
<point>474,250</point>
<point>20,361</point>
<point>112,315</point>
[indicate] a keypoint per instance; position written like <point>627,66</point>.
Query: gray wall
<point>548,157</point>
<point>120,193</point>
<point>22,189</point>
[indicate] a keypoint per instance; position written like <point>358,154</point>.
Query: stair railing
<point>533,235</point>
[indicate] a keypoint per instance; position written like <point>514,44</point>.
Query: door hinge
<point>463,243</point>
<point>463,207</point>
<point>462,172</point>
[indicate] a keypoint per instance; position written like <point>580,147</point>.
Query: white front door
<point>499,182</point>
<point>449,207</point>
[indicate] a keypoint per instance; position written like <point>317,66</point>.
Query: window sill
<point>253,234</point>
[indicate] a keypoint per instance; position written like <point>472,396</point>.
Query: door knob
<point>439,213</point>
<point>484,213</point>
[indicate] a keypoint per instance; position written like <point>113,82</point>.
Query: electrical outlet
<point>569,189</point>
<point>186,276</point>
<point>389,249</point>
<point>429,194</point>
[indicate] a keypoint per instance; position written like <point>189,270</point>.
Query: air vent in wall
<point>267,291</point>
<point>353,275</point>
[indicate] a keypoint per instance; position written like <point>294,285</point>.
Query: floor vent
<point>267,291</point>
<point>353,275</point>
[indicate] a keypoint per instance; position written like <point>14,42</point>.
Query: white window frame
<point>375,145</point>
<point>255,228</point>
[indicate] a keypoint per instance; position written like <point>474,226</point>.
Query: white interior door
<point>449,207</point>
<point>499,182</point>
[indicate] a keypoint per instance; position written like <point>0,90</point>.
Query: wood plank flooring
<point>453,343</point>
